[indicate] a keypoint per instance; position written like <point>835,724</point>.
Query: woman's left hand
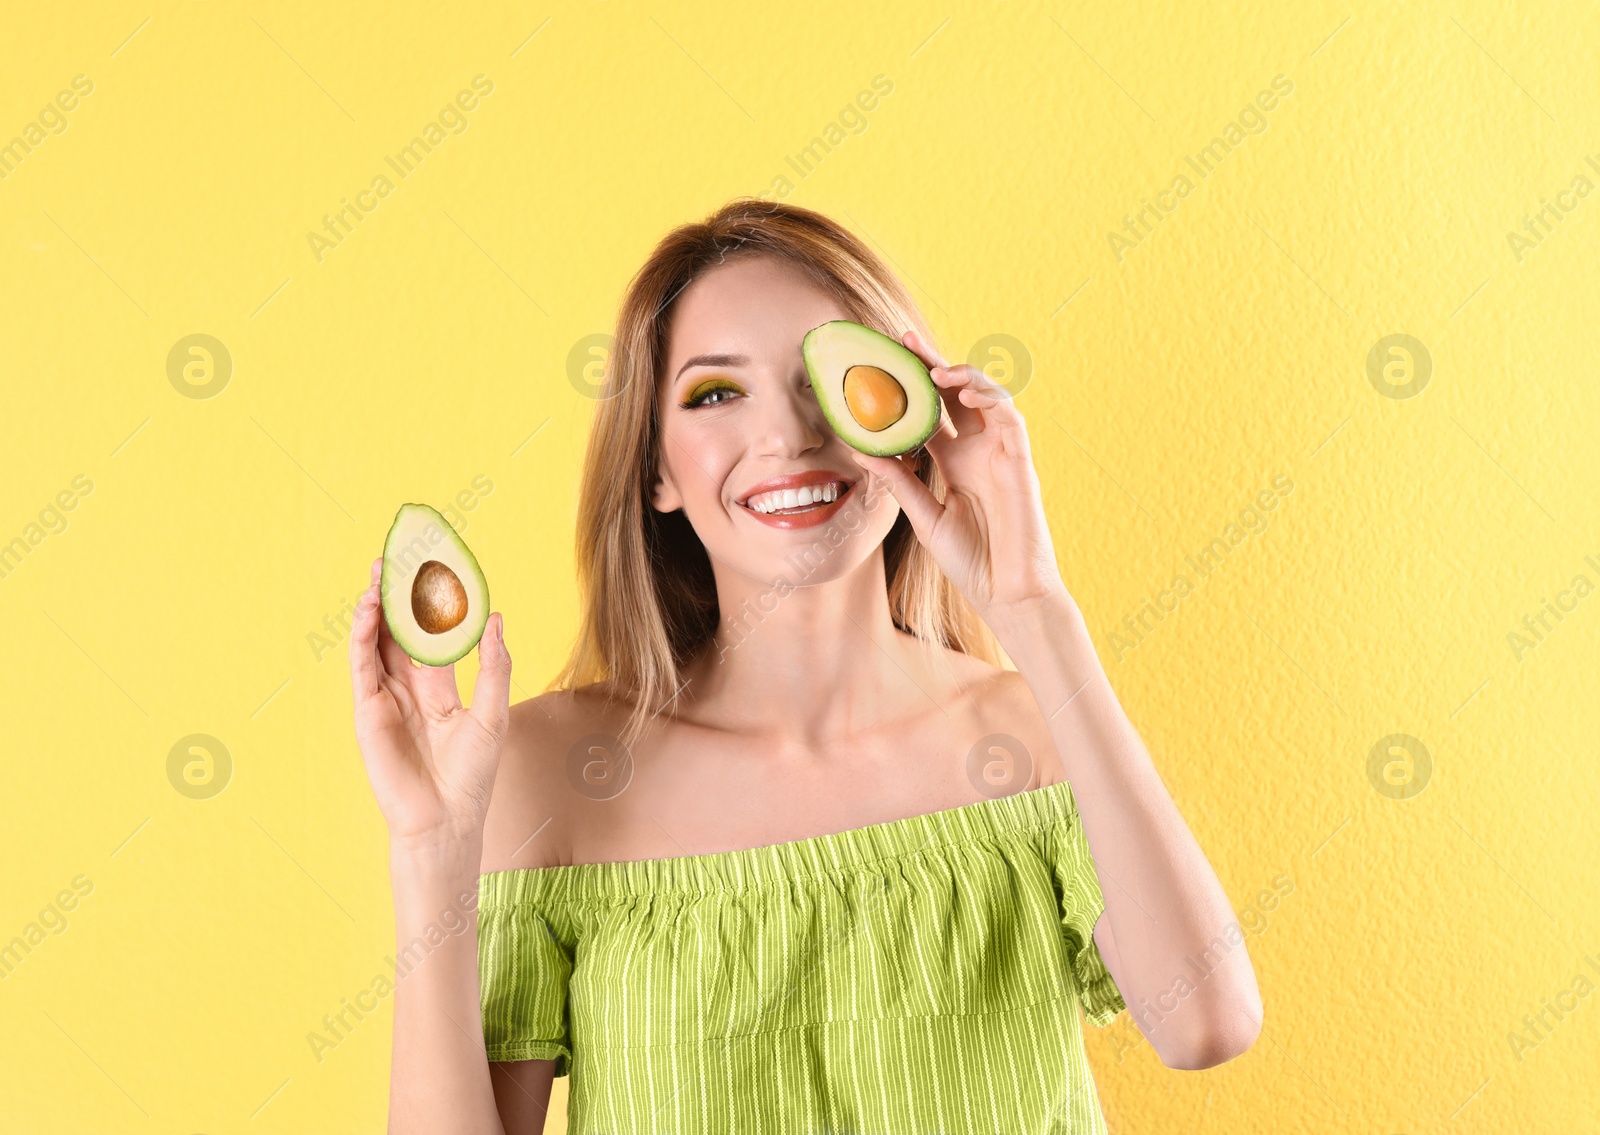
<point>989,535</point>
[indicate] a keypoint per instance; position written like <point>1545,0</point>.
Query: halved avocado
<point>875,392</point>
<point>435,598</point>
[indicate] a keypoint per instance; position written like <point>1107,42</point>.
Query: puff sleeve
<point>523,971</point>
<point>1081,904</point>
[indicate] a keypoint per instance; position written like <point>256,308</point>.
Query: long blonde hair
<point>649,601</point>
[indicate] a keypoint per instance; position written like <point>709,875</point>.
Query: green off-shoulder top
<point>914,976</point>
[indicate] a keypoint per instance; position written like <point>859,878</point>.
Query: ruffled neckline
<point>745,869</point>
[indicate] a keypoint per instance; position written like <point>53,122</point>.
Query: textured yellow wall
<point>1397,791</point>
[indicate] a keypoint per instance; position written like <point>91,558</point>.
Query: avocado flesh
<point>876,394</point>
<point>435,598</point>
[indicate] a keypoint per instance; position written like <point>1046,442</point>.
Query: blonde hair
<point>648,596</point>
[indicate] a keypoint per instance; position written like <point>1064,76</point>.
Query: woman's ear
<point>664,496</point>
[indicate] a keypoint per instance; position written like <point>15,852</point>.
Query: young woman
<point>785,847</point>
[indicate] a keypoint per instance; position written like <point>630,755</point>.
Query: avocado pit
<point>438,600</point>
<point>875,398</point>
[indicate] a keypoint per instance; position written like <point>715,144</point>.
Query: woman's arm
<point>432,764</point>
<point>522,1093</point>
<point>439,1075</point>
<point>440,1068</point>
<point>1164,904</point>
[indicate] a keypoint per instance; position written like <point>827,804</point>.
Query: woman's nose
<point>792,425</point>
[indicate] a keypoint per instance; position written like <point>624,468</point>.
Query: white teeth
<point>795,498</point>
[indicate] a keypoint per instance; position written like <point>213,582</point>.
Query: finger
<point>364,645</point>
<point>432,688</point>
<point>985,404</point>
<point>923,349</point>
<point>394,661</point>
<point>965,376</point>
<point>395,667</point>
<point>950,382</point>
<point>957,418</point>
<point>491,693</point>
<point>1000,411</point>
<point>436,688</point>
<point>918,503</point>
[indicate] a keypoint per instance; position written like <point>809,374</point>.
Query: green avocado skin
<point>411,524</point>
<point>831,348</point>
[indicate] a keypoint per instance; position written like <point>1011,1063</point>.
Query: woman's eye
<point>704,396</point>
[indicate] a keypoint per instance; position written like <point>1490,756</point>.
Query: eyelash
<point>702,393</point>
<point>698,399</point>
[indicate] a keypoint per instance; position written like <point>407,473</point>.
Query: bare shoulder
<point>525,826</point>
<point>1003,702</point>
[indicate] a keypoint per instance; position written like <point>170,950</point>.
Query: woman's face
<point>738,418</point>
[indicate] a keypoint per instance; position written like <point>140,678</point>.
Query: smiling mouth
<point>793,502</point>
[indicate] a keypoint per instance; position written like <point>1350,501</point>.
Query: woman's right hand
<point>431,762</point>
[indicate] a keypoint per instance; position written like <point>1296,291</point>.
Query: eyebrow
<point>712,361</point>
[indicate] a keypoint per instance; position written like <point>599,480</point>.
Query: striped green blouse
<point>917,975</point>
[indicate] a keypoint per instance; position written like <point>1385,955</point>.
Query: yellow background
<point>432,347</point>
